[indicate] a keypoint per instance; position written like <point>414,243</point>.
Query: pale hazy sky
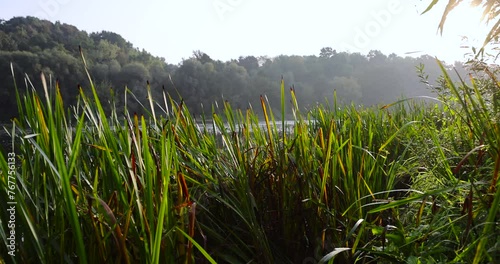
<point>226,29</point>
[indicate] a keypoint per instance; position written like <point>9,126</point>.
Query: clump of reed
<point>336,183</point>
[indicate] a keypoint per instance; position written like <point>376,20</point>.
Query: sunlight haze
<point>227,29</point>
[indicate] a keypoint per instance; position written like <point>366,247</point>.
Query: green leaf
<point>433,3</point>
<point>331,255</point>
<point>200,248</point>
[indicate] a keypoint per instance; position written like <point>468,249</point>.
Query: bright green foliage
<point>458,163</point>
<point>409,182</point>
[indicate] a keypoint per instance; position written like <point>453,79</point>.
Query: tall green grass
<point>337,183</point>
<point>454,219</point>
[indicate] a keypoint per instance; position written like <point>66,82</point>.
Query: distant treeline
<point>35,46</point>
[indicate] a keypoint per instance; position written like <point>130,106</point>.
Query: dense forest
<point>35,46</point>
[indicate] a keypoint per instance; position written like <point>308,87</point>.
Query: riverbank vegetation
<point>413,181</point>
<point>264,173</point>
